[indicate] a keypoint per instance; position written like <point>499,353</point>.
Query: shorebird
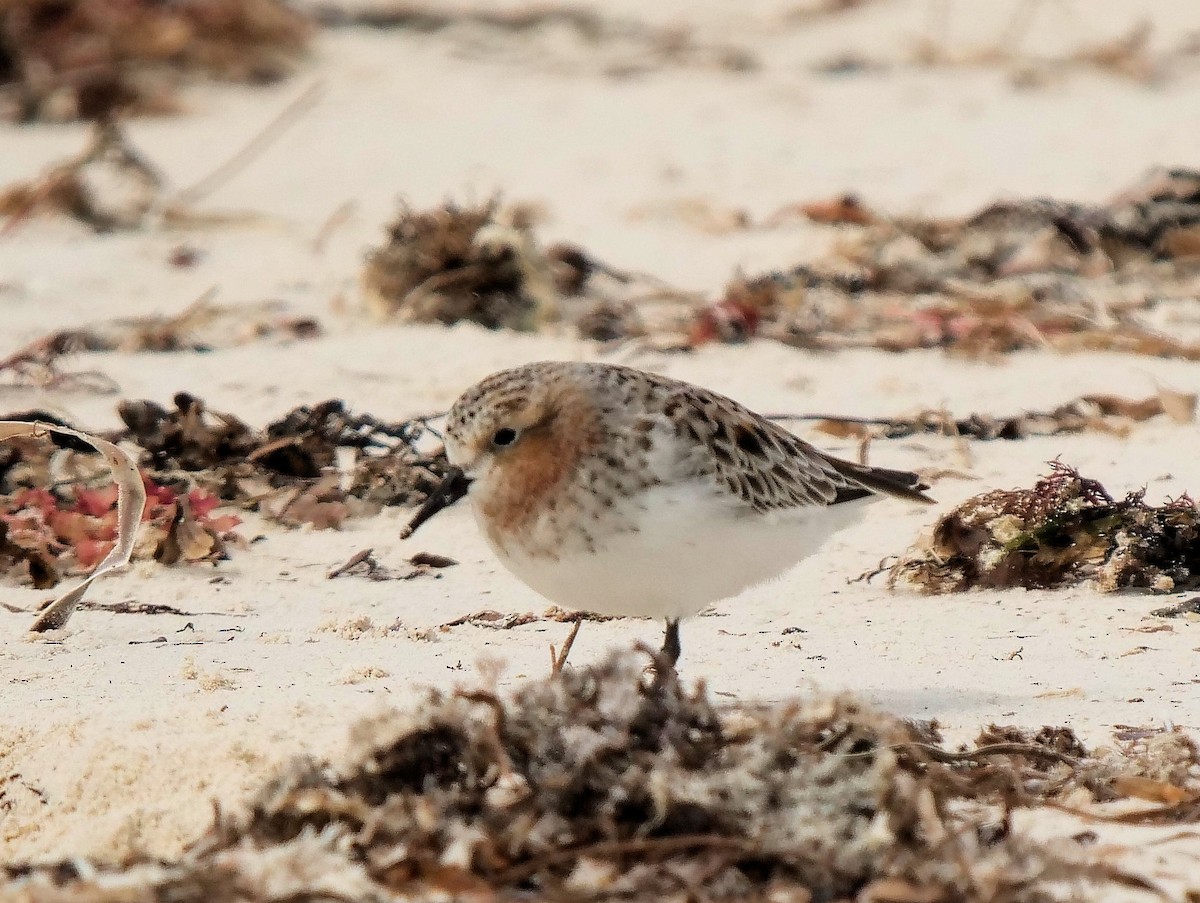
<point>614,491</point>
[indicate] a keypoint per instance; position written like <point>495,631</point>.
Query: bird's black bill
<point>449,491</point>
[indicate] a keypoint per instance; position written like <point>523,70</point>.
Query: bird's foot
<point>558,660</point>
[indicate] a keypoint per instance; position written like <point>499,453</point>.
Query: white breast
<point>692,548</point>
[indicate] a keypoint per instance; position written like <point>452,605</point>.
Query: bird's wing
<point>761,464</point>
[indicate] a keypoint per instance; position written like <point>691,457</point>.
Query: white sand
<point>115,747</point>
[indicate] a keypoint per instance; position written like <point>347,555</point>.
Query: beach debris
<point>1186,608</point>
<point>131,607</point>
<point>431,560</point>
<point>550,37</point>
<point>66,529</point>
<point>38,365</point>
<point>496,620</point>
<point>201,326</point>
<point>483,264</point>
<point>845,209</point>
<point>698,213</point>
<point>317,464</point>
<point>601,782</point>
<point>34,511</point>
<point>1016,275</point>
<point>502,621</point>
<point>492,619</point>
<point>109,186</point>
<point>183,526</point>
<point>1112,414</point>
<point>711,218</point>
<point>94,59</point>
<point>1065,530</point>
<point>364,564</point>
<point>363,558</point>
<point>456,263</point>
<point>1129,54</point>
<point>1158,764</point>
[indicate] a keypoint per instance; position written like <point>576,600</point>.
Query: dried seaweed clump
<point>88,58</point>
<point>600,784</point>
<point>484,265</point>
<point>316,465</point>
<point>1159,765</point>
<point>1065,530</point>
<point>291,471</point>
<point>1021,274</point>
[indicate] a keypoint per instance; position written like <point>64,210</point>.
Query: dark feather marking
<point>749,441</point>
<point>757,486</point>
<point>850,494</point>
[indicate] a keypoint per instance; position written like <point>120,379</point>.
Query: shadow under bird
<point>619,492</point>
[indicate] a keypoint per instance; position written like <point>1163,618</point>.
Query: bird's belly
<point>688,551</point>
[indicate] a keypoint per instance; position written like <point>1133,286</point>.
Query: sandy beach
<point>120,731</point>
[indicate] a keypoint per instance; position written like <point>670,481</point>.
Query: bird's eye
<point>504,436</point>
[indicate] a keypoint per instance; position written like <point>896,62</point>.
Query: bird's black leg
<point>671,648</point>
